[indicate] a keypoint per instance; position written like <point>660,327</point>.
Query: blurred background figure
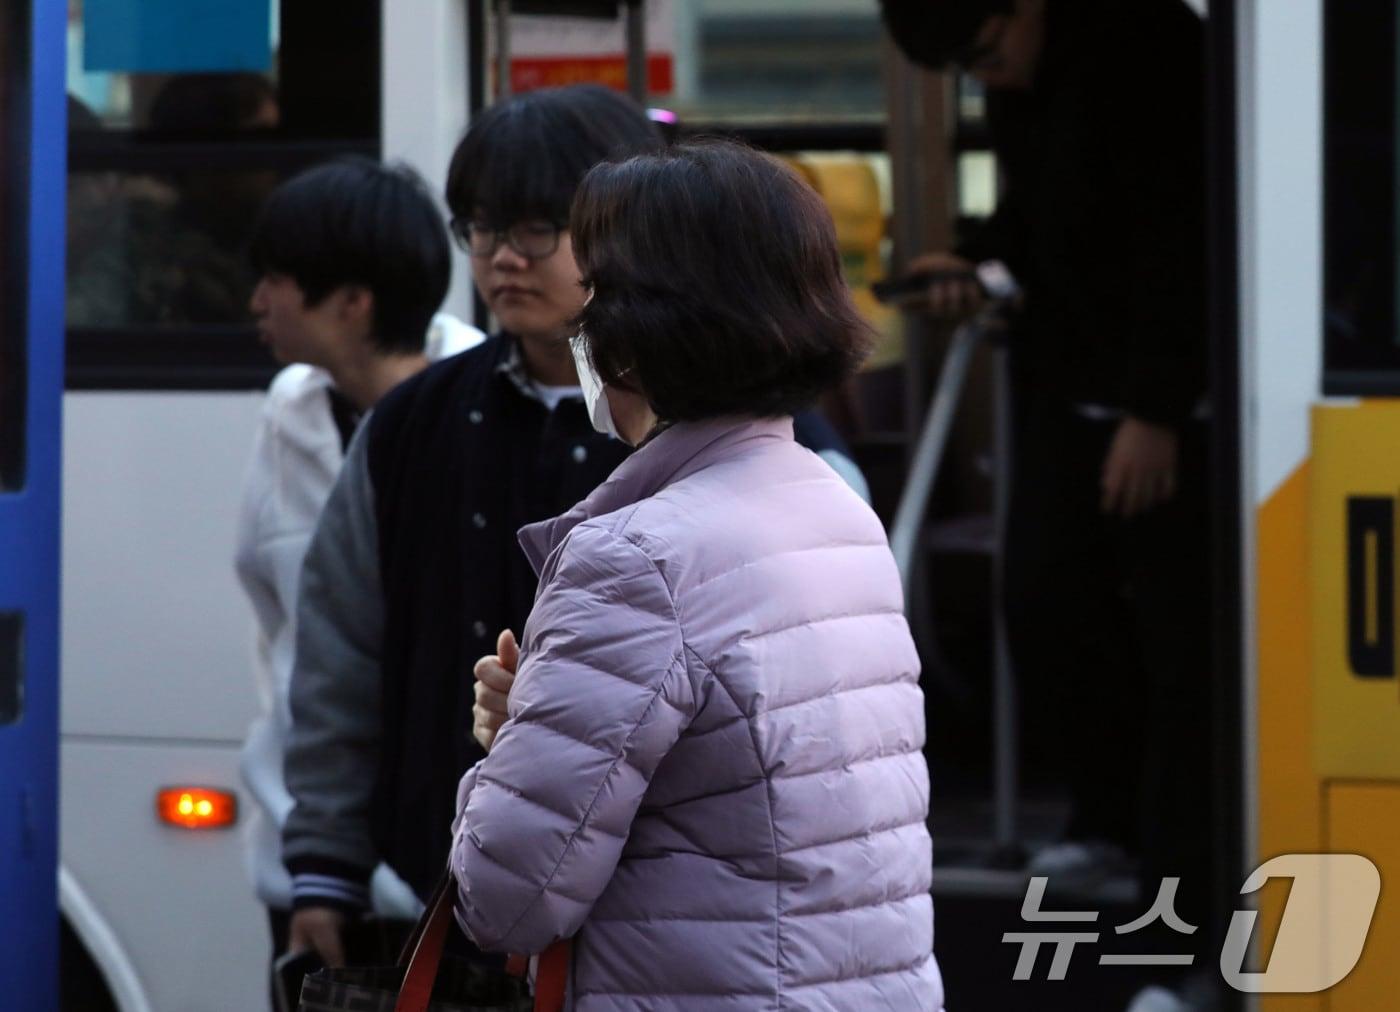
<point>1097,116</point>
<point>170,248</point>
<point>352,262</point>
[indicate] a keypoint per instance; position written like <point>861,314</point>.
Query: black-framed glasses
<point>534,240</point>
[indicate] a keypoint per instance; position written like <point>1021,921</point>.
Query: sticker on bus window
<point>176,36</point>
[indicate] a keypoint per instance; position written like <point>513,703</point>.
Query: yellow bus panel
<point>1355,485</point>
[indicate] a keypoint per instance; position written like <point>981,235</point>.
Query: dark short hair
<point>357,222</point>
<point>522,159</point>
<point>717,284</point>
<point>934,32</point>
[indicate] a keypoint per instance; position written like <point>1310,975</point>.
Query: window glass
<point>1362,343</point>
<point>730,61</point>
<point>167,170</point>
<point>14,151</point>
<point>105,98</point>
<point>783,59</point>
<point>977,184</point>
<point>159,248</point>
<point>975,163</point>
<point>972,101</point>
<point>321,81</point>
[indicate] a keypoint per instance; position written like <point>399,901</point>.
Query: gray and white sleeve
<point>333,745</point>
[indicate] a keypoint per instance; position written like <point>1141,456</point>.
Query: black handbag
<point>427,980</point>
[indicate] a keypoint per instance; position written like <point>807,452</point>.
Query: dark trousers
<point>1109,623</point>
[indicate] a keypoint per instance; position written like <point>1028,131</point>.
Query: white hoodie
<point>296,456</point>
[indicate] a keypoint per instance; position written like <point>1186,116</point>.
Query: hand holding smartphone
<point>288,972</point>
<point>944,284</point>
<point>941,284</point>
<point>917,284</point>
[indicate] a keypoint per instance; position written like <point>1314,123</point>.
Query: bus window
<point>788,60</point>
<point>1360,326</point>
<point>167,172</point>
<point>972,101</point>
<point>977,184</point>
<point>718,61</point>
<point>14,71</point>
<point>151,249</point>
<point>978,180</point>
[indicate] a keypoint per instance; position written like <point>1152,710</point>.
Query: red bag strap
<point>424,954</point>
<point>425,946</point>
<point>552,977</point>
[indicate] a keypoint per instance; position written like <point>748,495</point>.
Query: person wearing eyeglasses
<point>708,773</point>
<point>414,567</point>
<point>1096,111</point>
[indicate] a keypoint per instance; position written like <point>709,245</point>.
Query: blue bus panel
<point>32,160</point>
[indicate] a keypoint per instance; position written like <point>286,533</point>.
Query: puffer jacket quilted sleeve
<point>602,695</point>
<point>712,779</point>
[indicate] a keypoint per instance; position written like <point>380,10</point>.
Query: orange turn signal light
<point>197,807</point>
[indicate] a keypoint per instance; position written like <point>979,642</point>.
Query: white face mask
<point>595,398</point>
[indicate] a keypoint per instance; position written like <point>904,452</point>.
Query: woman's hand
<point>494,677</point>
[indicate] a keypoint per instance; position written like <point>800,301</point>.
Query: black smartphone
<point>891,289</point>
<point>288,972</point>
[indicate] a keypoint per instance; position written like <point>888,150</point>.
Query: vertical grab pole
<point>502,50</point>
<point>476,57</point>
<point>1005,708</point>
<point>905,533</point>
<point>637,50</point>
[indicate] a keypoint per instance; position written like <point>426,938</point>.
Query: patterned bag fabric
<point>460,987</point>
<point>424,981</point>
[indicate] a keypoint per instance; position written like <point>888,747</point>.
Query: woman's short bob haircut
<point>717,284</point>
<point>522,159</point>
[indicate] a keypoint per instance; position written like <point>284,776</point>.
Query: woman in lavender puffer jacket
<point>711,776</point>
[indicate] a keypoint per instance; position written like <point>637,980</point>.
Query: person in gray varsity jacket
<point>352,260</point>
<point>414,567</point>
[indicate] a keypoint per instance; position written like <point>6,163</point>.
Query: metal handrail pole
<point>905,533</point>
<point>637,50</point>
<point>502,50</point>
<point>1006,756</point>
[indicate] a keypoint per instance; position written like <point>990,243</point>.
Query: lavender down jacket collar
<point>712,778</point>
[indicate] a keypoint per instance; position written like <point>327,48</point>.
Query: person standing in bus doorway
<point>1097,115</point>
<point>353,263</point>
